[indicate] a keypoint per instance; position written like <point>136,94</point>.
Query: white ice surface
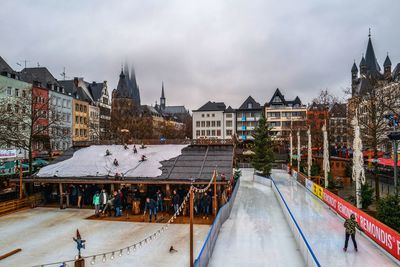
<point>91,161</point>
<point>45,235</point>
<point>256,234</point>
<point>324,230</point>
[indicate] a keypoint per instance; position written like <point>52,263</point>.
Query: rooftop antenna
<point>369,33</point>
<point>38,64</point>
<point>63,74</point>
<point>23,61</point>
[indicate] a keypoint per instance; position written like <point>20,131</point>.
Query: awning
<point>385,162</point>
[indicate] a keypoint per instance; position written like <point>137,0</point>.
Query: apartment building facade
<point>247,117</point>
<point>285,116</point>
<point>210,121</point>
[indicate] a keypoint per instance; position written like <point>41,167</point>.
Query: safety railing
<point>223,214</point>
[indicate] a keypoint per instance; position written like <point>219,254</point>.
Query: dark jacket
<point>152,205</point>
<point>206,200</point>
<point>117,201</point>
<point>175,199</point>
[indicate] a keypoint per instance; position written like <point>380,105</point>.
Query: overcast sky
<point>203,50</point>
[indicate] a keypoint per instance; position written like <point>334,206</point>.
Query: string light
<point>112,256</point>
<point>93,261</point>
<point>128,251</point>
<point>120,253</point>
<point>104,258</point>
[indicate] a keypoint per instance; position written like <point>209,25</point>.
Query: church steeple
<point>162,98</point>
<point>363,66</point>
<point>370,58</point>
<point>387,67</point>
<point>354,72</point>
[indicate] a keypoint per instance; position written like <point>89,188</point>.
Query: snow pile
<point>92,161</point>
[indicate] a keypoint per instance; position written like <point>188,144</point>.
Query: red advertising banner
<point>383,235</point>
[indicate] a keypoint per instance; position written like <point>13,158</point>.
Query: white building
<point>247,117</point>
<point>213,121</point>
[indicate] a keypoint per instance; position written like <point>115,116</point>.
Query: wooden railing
<point>12,205</point>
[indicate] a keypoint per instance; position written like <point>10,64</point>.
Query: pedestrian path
<point>256,234</point>
<point>324,230</point>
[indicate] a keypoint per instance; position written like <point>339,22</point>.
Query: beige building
<point>285,116</point>
<point>80,123</point>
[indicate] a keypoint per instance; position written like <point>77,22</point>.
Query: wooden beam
<point>8,254</point>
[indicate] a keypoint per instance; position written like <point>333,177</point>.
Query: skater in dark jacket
<point>350,225</point>
<point>175,201</point>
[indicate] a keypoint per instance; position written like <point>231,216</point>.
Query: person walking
<point>350,225</point>
<point>175,201</point>
<point>96,203</point>
<point>117,204</point>
<point>150,205</point>
<point>160,204</point>
<point>206,205</point>
<point>103,199</point>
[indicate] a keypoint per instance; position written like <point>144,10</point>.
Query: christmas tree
<point>263,154</point>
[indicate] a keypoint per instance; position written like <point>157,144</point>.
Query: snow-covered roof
<point>92,161</point>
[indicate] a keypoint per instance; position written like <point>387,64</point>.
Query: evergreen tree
<point>262,148</point>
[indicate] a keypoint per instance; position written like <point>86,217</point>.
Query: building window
<point>228,132</point>
<point>203,132</point>
<point>76,107</point>
<point>213,115</point>
<point>76,132</point>
<point>249,105</point>
<point>208,115</point>
<point>212,123</point>
<point>197,124</point>
<point>23,93</point>
<point>229,115</point>
<point>198,133</point>
<point>228,123</point>
<point>218,123</point>
<point>208,123</point>
<point>218,132</point>
<point>16,92</point>
<point>9,90</point>
<point>208,132</point>
<point>202,115</point>
<point>76,119</point>
<point>203,124</point>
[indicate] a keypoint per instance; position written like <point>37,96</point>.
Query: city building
<point>101,98</point>
<point>82,98</point>
<point>13,92</point>
<point>317,116</point>
<point>247,117</point>
<point>230,122</point>
<point>59,105</point>
<point>285,116</point>
<point>208,121</point>
<point>338,124</point>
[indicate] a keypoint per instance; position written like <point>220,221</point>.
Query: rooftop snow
<point>92,161</point>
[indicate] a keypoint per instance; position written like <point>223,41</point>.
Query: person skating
<point>96,203</point>
<point>142,146</point>
<point>206,205</point>
<point>175,201</point>
<point>150,205</point>
<point>108,153</point>
<point>143,158</point>
<point>134,149</point>
<point>350,226</point>
<point>126,147</point>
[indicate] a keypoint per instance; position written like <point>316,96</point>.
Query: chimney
<point>76,81</point>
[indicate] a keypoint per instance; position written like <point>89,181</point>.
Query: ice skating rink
<point>324,230</point>
<point>45,235</point>
<point>256,234</point>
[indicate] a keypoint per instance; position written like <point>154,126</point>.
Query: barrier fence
<point>223,214</point>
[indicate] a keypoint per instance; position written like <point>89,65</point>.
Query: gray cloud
<point>203,50</point>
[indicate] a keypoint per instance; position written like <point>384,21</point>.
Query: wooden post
<point>80,262</point>
<point>21,194</point>
<point>61,195</point>
<point>191,228</point>
<point>215,195</point>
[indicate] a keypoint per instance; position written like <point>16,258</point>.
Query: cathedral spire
<point>370,58</point>
<point>126,70</point>
<point>162,98</point>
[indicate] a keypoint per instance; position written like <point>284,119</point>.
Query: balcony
<point>246,137</point>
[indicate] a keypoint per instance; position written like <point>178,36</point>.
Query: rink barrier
<point>304,246</point>
<point>381,235</point>
<point>223,214</point>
